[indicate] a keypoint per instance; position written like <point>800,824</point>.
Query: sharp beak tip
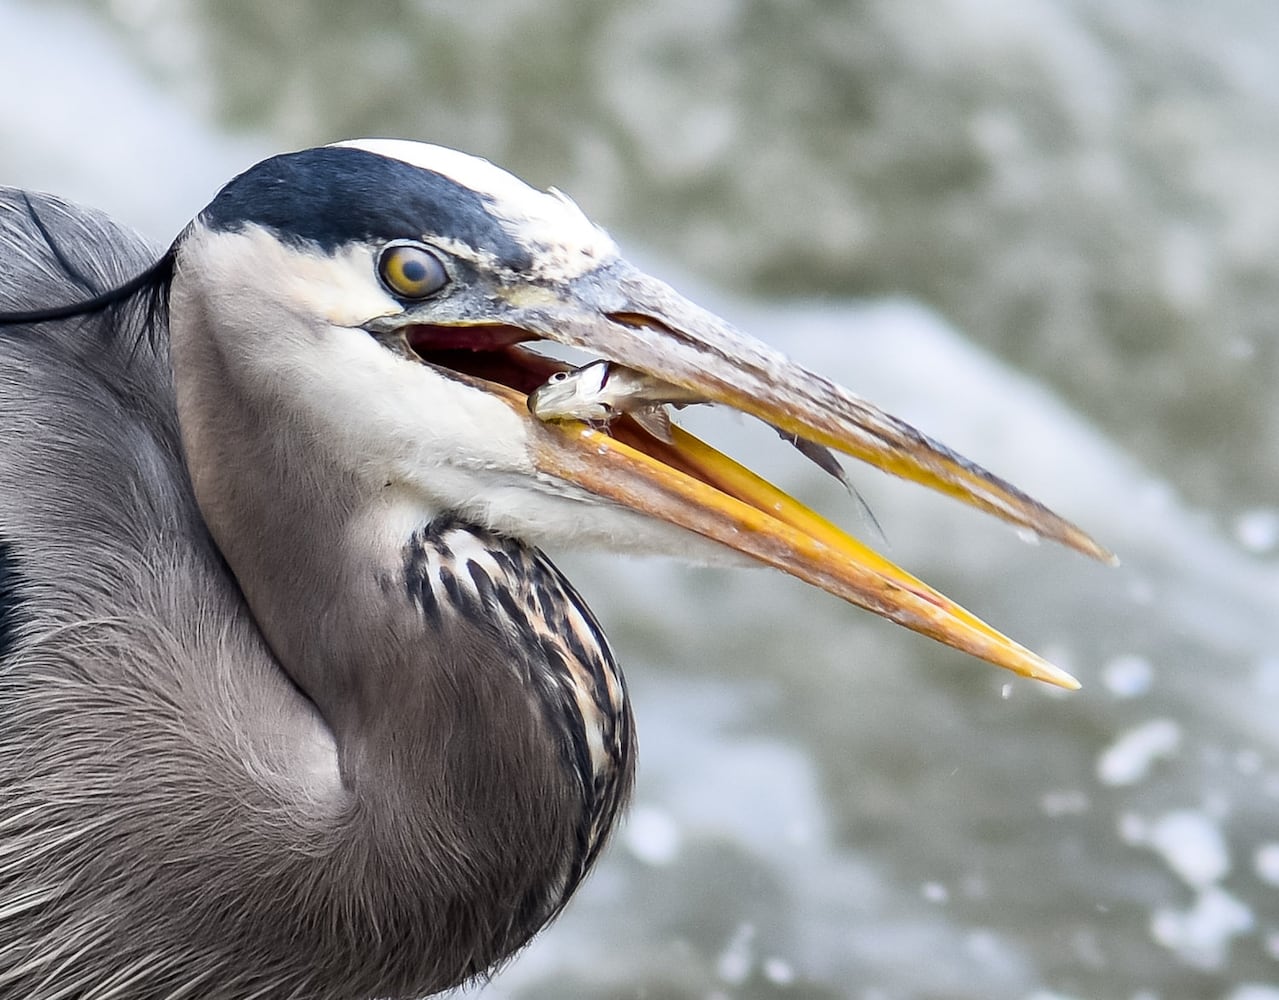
<point>1076,538</point>
<point>1042,670</point>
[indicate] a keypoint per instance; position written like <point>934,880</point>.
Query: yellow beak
<point>627,317</point>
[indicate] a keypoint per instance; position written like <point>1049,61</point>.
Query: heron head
<point>388,297</point>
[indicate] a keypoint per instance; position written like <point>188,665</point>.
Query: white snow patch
<point>1257,530</point>
<point>1192,845</point>
<point>1201,935</point>
<point>1128,676</point>
<point>1248,762</point>
<point>1132,829</point>
<point>935,892</point>
<point>1267,676</point>
<point>778,971</point>
<point>652,836</point>
<point>1141,591</point>
<point>1128,760</point>
<point>1266,863</point>
<point>1254,991</point>
<point>737,958</point>
<point>985,945</point>
<point>1065,802</point>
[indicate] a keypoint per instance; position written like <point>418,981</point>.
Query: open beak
<point>618,313</point>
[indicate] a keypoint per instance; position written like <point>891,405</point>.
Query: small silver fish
<point>602,391</point>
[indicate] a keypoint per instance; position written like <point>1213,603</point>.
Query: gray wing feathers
<point>42,234</point>
<point>93,492</point>
<point>126,627</point>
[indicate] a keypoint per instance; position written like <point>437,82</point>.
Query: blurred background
<point>1044,232</point>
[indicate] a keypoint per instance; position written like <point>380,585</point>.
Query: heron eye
<point>411,271</point>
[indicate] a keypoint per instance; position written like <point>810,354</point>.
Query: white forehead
<point>562,240</point>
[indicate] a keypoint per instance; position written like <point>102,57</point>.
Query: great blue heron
<point>291,704</point>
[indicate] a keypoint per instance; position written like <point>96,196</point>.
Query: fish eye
<point>411,271</point>
<point>559,377</point>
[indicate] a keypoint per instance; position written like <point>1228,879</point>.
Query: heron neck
<point>320,555</point>
<point>456,807</point>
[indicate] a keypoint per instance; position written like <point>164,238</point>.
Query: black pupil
<point>414,271</point>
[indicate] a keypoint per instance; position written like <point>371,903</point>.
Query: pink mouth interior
<point>485,352</point>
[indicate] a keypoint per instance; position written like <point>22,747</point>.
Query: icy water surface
<point>1045,233</point>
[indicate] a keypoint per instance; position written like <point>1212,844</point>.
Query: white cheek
<point>430,444</point>
<point>401,423</point>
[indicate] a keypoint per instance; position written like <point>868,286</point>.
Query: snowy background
<point>1044,232</point>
